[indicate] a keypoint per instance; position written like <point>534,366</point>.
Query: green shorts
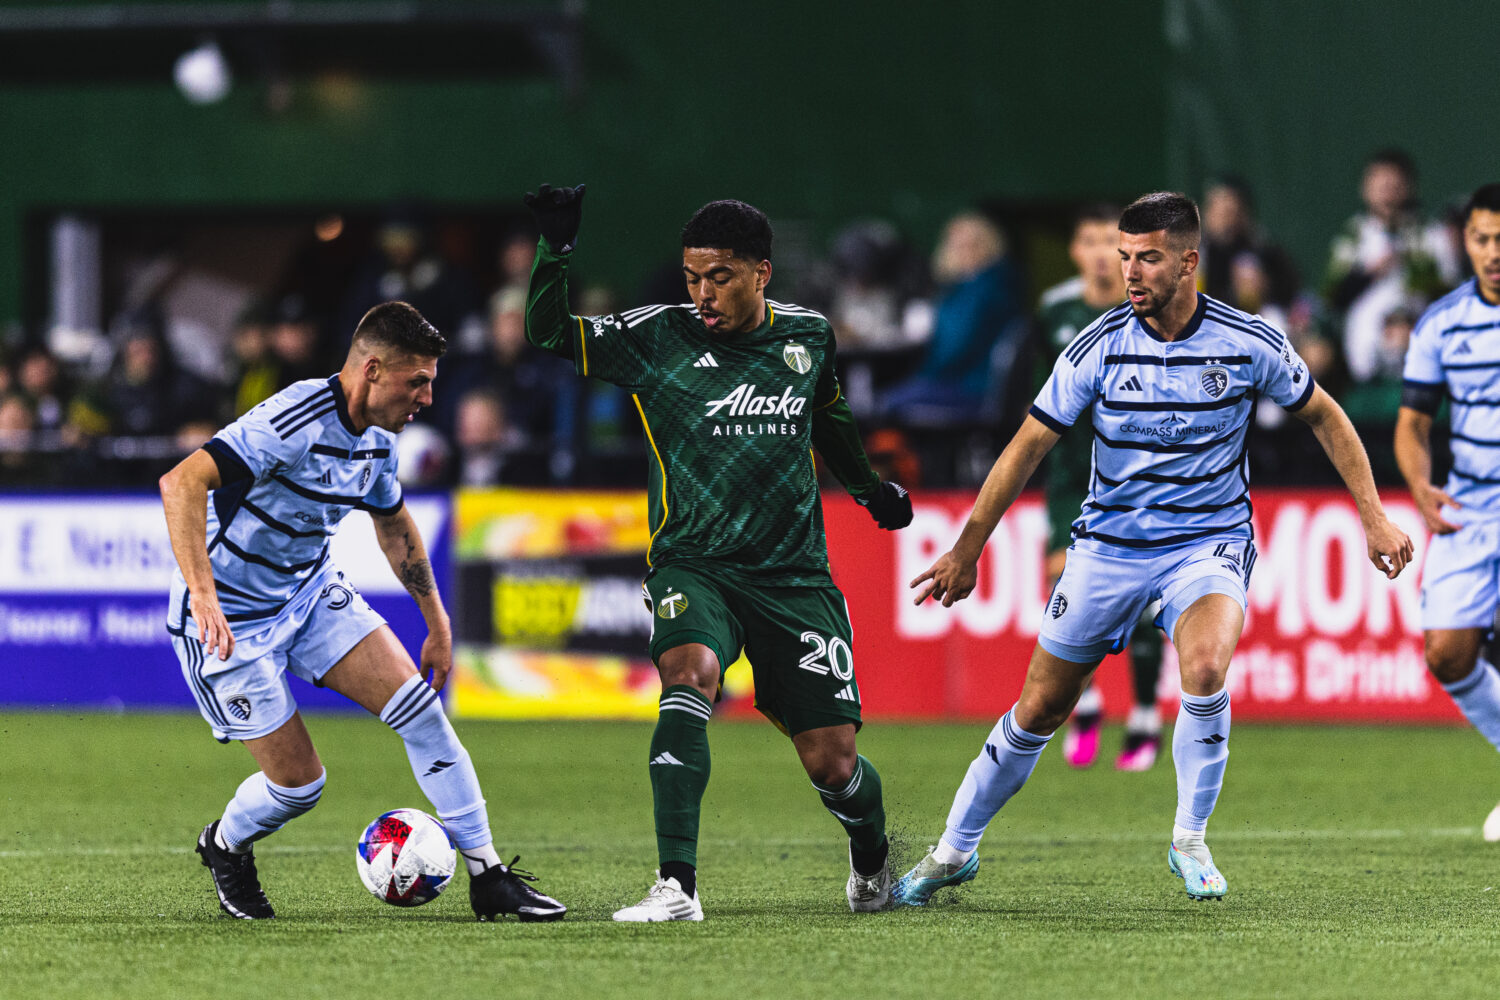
<point>798,640</point>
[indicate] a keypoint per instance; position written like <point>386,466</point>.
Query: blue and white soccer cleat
<point>916,887</point>
<point>1203,881</point>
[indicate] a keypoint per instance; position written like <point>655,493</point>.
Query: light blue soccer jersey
<point>292,468</point>
<point>1169,420</point>
<point>1455,352</point>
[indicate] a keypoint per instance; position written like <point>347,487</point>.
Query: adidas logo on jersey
<point>326,478</point>
<point>707,361</point>
<point>1463,348</point>
<point>1132,384</point>
<point>666,758</point>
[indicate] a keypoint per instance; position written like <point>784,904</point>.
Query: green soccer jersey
<point>1061,316</point>
<point>730,423</point>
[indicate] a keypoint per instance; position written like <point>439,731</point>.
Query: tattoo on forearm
<point>416,574</point>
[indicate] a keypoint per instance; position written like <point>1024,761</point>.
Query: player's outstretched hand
<point>889,505</point>
<point>949,579</point>
<point>213,627</point>
<point>1389,547</point>
<point>558,213</point>
<point>1430,502</point>
<point>437,657</point>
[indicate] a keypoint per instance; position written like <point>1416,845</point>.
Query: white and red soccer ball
<point>406,857</point>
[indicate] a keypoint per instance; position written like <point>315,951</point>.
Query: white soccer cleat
<point>666,901</point>
<point>869,893</point>
<point>1491,827</point>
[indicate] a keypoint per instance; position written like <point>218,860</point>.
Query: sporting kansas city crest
<point>1215,379</point>
<point>239,707</point>
<point>797,358</point>
<point>672,605</point>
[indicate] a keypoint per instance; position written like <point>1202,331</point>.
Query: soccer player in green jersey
<point>1066,310</point>
<point>733,390</point>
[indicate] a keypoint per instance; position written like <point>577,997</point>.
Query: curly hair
<point>730,225</point>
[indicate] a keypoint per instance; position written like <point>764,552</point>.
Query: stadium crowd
<point>939,355</point>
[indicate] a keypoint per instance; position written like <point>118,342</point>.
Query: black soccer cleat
<point>235,878</point>
<point>502,889</point>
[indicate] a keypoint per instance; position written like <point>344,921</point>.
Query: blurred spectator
<point>874,302</point>
<point>1376,400</point>
<point>295,343</point>
<point>1385,259</point>
<point>40,379</point>
<point>517,252</point>
<point>976,335</point>
<point>484,439</point>
<point>1240,265</point>
<point>17,424</point>
<point>253,369</point>
<point>145,392</point>
<point>404,268</point>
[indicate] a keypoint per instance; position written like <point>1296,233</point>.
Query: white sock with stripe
<point>442,766</point>
<point>260,807</point>
<point>1200,749</point>
<point>1478,697</point>
<point>1009,756</point>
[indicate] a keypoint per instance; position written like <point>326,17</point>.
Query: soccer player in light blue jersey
<point>256,595</point>
<point>1172,377</point>
<point>1455,355</point>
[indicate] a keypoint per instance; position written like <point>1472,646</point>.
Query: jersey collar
<point>341,405</point>
<point>1480,295</point>
<point>1187,331</point>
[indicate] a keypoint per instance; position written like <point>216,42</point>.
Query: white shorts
<point>1101,593</point>
<point>246,696</point>
<point>1461,576</point>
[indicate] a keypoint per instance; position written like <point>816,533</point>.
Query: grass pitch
<point>1353,856</point>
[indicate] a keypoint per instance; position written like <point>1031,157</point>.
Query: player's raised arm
<point>953,576</point>
<point>402,544</point>
<point>1387,546</point>
<point>558,213</point>
<point>184,495</point>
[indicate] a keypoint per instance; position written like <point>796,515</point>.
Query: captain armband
<point>1424,397</point>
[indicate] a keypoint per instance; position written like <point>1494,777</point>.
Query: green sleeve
<point>607,347</point>
<point>837,440</point>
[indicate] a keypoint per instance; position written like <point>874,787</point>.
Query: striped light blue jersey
<point>1455,352</point>
<point>1169,420</point>
<point>292,468</point>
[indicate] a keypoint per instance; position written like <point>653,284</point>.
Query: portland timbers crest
<point>672,605</point>
<point>797,358</point>
<point>1215,379</point>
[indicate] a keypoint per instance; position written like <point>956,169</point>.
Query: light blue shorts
<point>1461,576</point>
<point>246,696</point>
<point>1101,593</point>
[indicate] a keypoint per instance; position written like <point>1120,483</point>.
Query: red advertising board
<point>1326,637</point>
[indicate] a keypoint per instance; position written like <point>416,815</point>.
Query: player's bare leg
<point>1454,659</point>
<point>379,675</point>
<point>1010,753</point>
<point>850,789</point>
<point>1206,635</point>
<point>679,765</point>
<point>288,784</point>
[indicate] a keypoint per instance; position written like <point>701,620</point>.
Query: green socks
<point>679,771</point>
<point>859,808</point>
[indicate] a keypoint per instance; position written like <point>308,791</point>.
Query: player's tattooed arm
<point>415,572</point>
<point>402,544</point>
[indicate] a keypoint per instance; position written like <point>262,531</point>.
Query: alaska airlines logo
<point>743,402</point>
<point>1173,428</point>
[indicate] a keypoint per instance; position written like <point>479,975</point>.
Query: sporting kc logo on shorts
<point>1058,606</point>
<point>239,707</point>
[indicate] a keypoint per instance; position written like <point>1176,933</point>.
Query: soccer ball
<point>406,857</point>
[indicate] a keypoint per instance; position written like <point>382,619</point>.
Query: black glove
<point>889,505</point>
<point>557,211</point>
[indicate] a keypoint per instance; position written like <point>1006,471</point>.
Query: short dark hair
<point>730,225</point>
<point>1097,211</point>
<point>1393,156</point>
<point>399,325</point>
<point>1150,213</point>
<point>1485,199</point>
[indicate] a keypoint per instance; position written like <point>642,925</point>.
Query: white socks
<point>1200,749</point>
<point>1478,697</point>
<point>1008,758</point>
<point>442,766</point>
<point>260,807</point>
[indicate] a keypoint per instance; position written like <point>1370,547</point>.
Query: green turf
<point>1353,856</point>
